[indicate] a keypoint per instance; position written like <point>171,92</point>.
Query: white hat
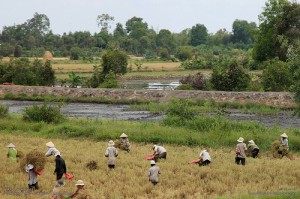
<point>57,153</point>
<point>284,135</point>
<point>79,182</point>
<point>154,146</point>
<point>251,142</point>
<point>50,144</point>
<point>152,162</point>
<point>29,166</point>
<point>11,145</point>
<point>111,143</point>
<point>123,135</point>
<point>240,139</point>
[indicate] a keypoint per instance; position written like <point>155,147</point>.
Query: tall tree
<point>104,21</point>
<point>243,31</point>
<point>199,35</point>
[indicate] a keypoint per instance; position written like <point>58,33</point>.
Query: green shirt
<point>12,154</point>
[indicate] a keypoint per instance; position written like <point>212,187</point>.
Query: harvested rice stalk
<point>36,158</point>
<point>92,165</point>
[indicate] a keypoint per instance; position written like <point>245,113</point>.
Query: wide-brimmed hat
<point>111,143</point>
<point>251,142</point>
<point>152,162</point>
<point>240,139</point>
<point>11,145</point>
<point>50,144</point>
<point>123,135</point>
<point>204,150</point>
<point>284,135</point>
<point>30,166</point>
<point>57,153</point>
<point>79,182</point>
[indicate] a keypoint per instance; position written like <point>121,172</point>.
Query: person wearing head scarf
<point>12,152</point>
<point>81,192</point>
<point>159,152</point>
<point>205,158</point>
<point>153,172</point>
<point>51,149</point>
<point>111,152</point>
<point>60,168</point>
<point>124,142</point>
<point>253,149</point>
<point>32,177</point>
<point>240,152</point>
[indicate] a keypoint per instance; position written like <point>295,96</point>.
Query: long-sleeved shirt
<point>111,152</point>
<point>284,142</point>
<point>12,154</point>
<point>252,146</point>
<point>240,150</point>
<point>204,155</point>
<point>32,177</point>
<point>51,151</point>
<point>153,173</point>
<point>159,149</point>
<point>60,165</point>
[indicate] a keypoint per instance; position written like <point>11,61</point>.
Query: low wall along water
<point>282,99</point>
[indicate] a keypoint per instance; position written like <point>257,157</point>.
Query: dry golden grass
<point>179,179</point>
<point>157,66</point>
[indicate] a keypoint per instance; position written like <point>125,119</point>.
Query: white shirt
<point>159,149</point>
<point>204,155</point>
<point>51,151</point>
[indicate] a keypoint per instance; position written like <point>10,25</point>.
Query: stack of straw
<point>36,158</point>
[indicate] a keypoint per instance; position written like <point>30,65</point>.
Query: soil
<point>121,112</point>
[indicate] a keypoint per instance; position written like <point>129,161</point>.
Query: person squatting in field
<point>12,152</point>
<point>159,152</point>
<point>60,168</point>
<point>111,152</point>
<point>253,149</point>
<point>284,148</point>
<point>153,172</point>
<point>81,192</point>
<point>124,142</point>
<point>51,149</point>
<point>32,177</point>
<point>240,152</point>
<point>205,158</point>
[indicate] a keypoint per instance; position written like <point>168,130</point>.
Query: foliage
<point>199,35</point>
<point>184,53</point>
<point>276,77</point>
<point>74,80</point>
<point>110,81</point>
<point>18,51</point>
<point>75,53</point>
<point>180,109</point>
<point>185,87</point>
<point>45,113</point>
<point>230,78</point>
<point>197,81</point>
<point>114,60</point>
<point>3,110</point>
<point>243,31</point>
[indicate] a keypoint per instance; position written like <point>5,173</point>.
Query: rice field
<point>179,179</point>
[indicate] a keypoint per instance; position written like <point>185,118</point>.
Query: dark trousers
<point>111,166</point>
<point>59,176</point>
<point>254,153</point>
<point>242,160</point>
<point>162,155</point>
<point>33,186</point>
<point>204,163</point>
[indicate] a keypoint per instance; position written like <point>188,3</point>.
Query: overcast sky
<point>174,15</point>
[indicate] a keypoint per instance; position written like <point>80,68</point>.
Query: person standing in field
<point>205,158</point>
<point>159,152</point>
<point>284,147</point>
<point>81,192</point>
<point>60,169</point>
<point>32,177</point>
<point>111,152</point>
<point>240,152</point>
<point>124,142</point>
<point>253,149</point>
<point>51,149</point>
<point>153,172</point>
<point>12,152</point>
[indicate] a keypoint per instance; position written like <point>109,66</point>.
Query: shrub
<point>184,87</point>
<point>110,81</point>
<point>181,109</point>
<point>184,53</point>
<point>45,113</point>
<point>3,110</point>
<point>197,81</point>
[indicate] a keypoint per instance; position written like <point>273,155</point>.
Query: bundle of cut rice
<point>36,158</point>
<point>92,165</point>
<point>117,143</point>
<point>275,145</point>
<point>20,154</point>
<point>48,55</point>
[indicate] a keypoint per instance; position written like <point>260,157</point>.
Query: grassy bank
<point>205,131</point>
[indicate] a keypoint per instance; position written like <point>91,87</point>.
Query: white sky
<point>174,15</point>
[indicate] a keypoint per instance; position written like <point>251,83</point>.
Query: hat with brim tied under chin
<point>284,135</point>
<point>50,144</point>
<point>111,143</point>
<point>11,145</point>
<point>240,139</point>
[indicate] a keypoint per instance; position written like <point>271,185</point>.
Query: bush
<point>230,78</point>
<point>110,81</point>
<point>181,109</point>
<point>197,81</point>
<point>45,113</point>
<point>276,76</point>
<point>184,53</point>
<point>3,110</point>
<point>184,87</point>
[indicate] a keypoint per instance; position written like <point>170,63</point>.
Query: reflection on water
<point>152,85</point>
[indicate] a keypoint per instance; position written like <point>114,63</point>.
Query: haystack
<point>279,151</point>
<point>36,158</point>
<point>48,56</point>
<point>92,165</point>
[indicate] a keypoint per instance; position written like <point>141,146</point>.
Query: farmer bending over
<point>204,158</point>
<point>51,149</point>
<point>253,149</point>
<point>159,152</point>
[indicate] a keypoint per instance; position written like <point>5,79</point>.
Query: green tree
<point>243,31</point>
<point>110,81</point>
<point>114,60</point>
<point>199,35</point>
<point>165,39</point>
<point>18,51</point>
<point>104,21</point>
<point>74,80</point>
<point>184,53</point>
<point>75,53</point>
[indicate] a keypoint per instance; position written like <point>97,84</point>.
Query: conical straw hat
<point>284,135</point>
<point>50,144</point>
<point>123,135</point>
<point>11,145</point>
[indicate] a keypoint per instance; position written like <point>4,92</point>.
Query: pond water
<point>152,85</point>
